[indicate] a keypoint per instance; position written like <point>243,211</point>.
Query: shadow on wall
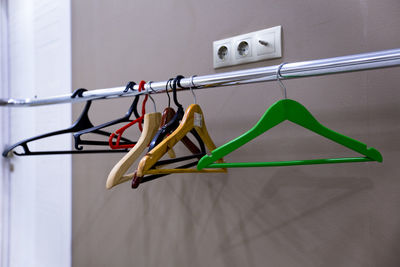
<point>221,217</point>
<point>244,212</point>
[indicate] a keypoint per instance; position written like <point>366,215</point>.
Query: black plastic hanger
<point>83,122</point>
<point>174,122</point>
<point>126,118</point>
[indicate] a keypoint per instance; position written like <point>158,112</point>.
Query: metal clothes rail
<point>350,63</point>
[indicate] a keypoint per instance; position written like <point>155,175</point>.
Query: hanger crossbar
<point>287,163</point>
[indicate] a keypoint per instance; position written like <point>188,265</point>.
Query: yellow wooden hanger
<point>193,119</point>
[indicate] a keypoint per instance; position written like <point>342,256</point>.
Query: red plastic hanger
<point>139,121</point>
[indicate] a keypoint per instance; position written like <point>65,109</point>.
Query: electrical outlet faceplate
<point>249,47</point>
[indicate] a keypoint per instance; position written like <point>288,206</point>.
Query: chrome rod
<point>357,62</point>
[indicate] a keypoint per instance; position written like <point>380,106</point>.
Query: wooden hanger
<point>116,175</point>
<point>167,115</point>
<point>151,120</point>
<point>193,119</point>
<point>150,127</point>
<point>293,111</point>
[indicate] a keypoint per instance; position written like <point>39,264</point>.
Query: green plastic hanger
<point>293,111</point>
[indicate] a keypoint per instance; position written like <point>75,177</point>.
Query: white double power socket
<point>249,47</point>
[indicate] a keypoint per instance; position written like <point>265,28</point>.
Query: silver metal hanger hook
<point>191,89</point>
<point>152,99</point>
<point>278,78</point>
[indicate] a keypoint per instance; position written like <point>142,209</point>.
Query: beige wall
<point>327,215</point>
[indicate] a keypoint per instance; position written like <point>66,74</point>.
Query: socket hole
<point>223,52</point>
<point>243,48</point>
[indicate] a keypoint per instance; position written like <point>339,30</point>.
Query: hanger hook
<point>191,88</point>
<point>174,84</point>
<point>152,99</point>
<point>278,78</point>
<point>78,92</point>
<point>141,89</point>
<point>168,84</point>
<point>130,85</point>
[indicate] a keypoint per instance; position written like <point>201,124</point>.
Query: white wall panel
<point>40,65</point>
<point>4,135</point>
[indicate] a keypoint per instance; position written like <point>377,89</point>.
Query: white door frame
<point>4,138</point>
<point>35,200</point>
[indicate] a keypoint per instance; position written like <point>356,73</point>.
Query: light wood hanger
<point>193,119</point>
<point>150,127</point>
<point>167,116</point>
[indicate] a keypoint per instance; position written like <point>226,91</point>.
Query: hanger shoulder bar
<point>288,163</point>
